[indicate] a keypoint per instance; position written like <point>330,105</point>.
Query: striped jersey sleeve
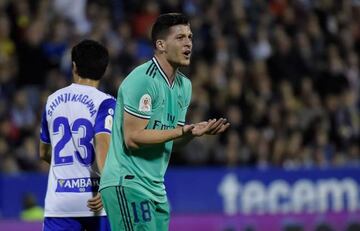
<point>138,93</point>
<point>44,129</point>
<point>104,118</point>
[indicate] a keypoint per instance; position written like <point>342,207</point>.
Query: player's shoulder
<point>182,79</point>
<point>141,74</point>
<point>104,96</point>
<point>143,69</point>
<point>58,92</point>
<point>93,93</point>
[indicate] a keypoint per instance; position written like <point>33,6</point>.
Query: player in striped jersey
<point>75,133</point>
<point>150,114</point>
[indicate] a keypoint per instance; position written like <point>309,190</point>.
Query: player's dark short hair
<point>162,24</point>
<point>91,59</point>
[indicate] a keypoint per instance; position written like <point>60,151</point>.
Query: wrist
<point>179,131</point>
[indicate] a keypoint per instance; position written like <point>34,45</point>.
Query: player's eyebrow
<point>182,34</point>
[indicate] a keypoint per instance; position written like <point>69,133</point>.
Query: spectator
<point>286,73</point>
<point>32,211</point>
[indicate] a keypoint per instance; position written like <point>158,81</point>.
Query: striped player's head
<point>171,36</point>
<point>90,59</point>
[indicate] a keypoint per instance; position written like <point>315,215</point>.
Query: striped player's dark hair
<point>91,59</point>
<point>162,24</point>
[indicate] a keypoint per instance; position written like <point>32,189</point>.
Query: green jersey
<point>146,93</point>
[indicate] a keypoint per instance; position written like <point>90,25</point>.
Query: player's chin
<point>185,62</point>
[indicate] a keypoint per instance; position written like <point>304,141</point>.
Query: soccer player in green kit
<point>149,119</point>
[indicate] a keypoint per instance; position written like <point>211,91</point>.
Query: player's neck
<point>86,82</point>
<point>169,69</point>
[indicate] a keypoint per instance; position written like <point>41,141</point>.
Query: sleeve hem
<point>136,114</point>
<point>104,131</point>
<point>45,142</point>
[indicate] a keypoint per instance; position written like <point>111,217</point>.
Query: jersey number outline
<point>83,142</point>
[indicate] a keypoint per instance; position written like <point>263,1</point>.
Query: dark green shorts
<point>129,210</point>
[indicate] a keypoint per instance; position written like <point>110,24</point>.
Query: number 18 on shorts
<point>130,210</point>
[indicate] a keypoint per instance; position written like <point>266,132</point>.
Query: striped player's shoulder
<point>146,69</point>
<point>142,74</point>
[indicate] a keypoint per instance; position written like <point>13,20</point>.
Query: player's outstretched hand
<point>95,203</point>
<point>187,128</point>
<point>211,127</point>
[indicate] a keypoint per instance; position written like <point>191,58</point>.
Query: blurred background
<point>285,73</point>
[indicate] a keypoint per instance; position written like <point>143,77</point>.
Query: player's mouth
<point>187,54</point>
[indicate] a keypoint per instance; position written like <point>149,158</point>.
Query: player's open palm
<point>211,127</point>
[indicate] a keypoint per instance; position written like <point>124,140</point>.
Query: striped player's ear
<point>160,45</point>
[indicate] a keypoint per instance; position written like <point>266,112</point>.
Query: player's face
<point>179,45</point>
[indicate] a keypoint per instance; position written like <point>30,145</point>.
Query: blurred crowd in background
<point>285,73</point>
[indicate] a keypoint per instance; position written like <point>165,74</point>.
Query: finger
<point>188,128</point>
<point>218,128</point>
<point>94,202</point>
<point>204,129</point>
<point>223,128</point>
<point>95,198</point>
<point>210,124</point>
<point>95,206</point>
<point>200,130</point>
<point>96,209</point>
<point>216,125</point>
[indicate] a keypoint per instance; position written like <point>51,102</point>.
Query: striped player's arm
<point>136,135</point>
<point>102,129</point>
<point>45,145</point>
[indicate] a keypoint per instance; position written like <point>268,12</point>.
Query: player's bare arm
<point>136,135</point>
<point>102,142</point>
<point>45,152</point>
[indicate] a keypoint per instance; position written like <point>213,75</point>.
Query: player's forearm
<point>147,137</point>
<point>45,152</point>
<point>102,141</point>
<point>100,158</point>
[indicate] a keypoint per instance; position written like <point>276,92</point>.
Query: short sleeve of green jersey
<point>187,89</point>
<point>139,95</point>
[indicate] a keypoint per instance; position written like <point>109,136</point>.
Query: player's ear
<point>74,68</point>
<point>74,71</point>
<point>160,45</point>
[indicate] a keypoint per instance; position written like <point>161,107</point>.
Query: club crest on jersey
<point>108,122</point>
<point>145,103</point>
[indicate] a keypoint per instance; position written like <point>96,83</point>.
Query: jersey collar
<point>162,73</point>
